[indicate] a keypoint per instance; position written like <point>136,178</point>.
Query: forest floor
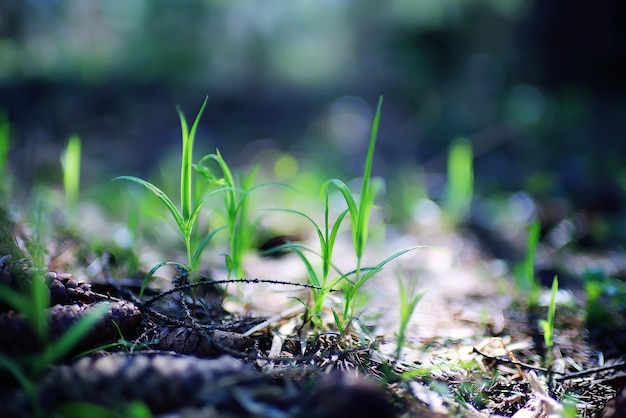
<point>473,347</point>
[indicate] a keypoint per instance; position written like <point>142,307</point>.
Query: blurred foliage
<point>536,87</point>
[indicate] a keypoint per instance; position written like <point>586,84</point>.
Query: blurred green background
<point>537,86</point>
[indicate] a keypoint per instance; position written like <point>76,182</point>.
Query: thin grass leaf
<point>198,252</point>
<point>70,338</point>
<point>154,269</point>
<point>350,294</point>
<point>408,302</point>
<point>380,265</point>
<point>338,323</point>
<point>5,128</point>
<point>367,194</point>
<point>460,185</point>
<point>186,186</point>
<point>548,325</point>
<point>16,370</point>
<point>40,299</point>
<point>531,250</point>
<point>180,221</point>
<point>32,305</point>
<point>314,280</point>
<point>17,300</point>
<point>352,205</point>
<point>70,161</point>
<point>193,218</point>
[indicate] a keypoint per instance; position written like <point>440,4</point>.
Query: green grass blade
<point>186,168</point>
<point>20,375</point>
<point>367,195</point>
<point>198,252</point>
<point>191,223</point>
<point>32,305</point>
<point>69,339</point>
<point>299,213</point>
<point>40,300</point>
<point>373,270</point>
<point>352,208</point>
<point>70,162</point>
<point>180,221</point>
<point>548,325</point>
<point>531,249</point>
<point>17,300</point>
<point>338,323</point>
<point>5,129</point>
<point>335,230</point>
<point>526,270</point>
<point>313,278</point>
<point>460,186</point>
<point>154,270</point>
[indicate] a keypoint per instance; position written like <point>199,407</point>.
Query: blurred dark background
<point>537,86</point>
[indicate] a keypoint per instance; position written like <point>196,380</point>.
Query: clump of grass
<point>185,218</point>
<point>32,301</point>
<point>360,214</point>
<point>409,298</point>
<point>327,238</point>
<point>240,228</point>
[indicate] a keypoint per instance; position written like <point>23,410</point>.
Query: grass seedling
<point>605,295</point>
<point>548,324</point>
<point>360,213</point>
<point>32,301</point>
<point>460,186</point>
<point>70,162</point>
<point>409,298</point>
<point>525,280</point>
<point>360,220</point>
<point>240,229</point>
<point>327,238</point>
<point>185,218</point>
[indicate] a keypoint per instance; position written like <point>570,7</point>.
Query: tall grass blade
<point>367,195</point>
<point>186,168</point>
<point>69,339</point>
<point>70,162</point>
<point>195,259</point>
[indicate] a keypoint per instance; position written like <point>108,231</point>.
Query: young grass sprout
<point>240,229</point>
<point>360,213</point>
<point>548,324</point>
<point>185,218</point>
<point>409,298</point>
<point>32,302</point>
<point>327,238</point>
